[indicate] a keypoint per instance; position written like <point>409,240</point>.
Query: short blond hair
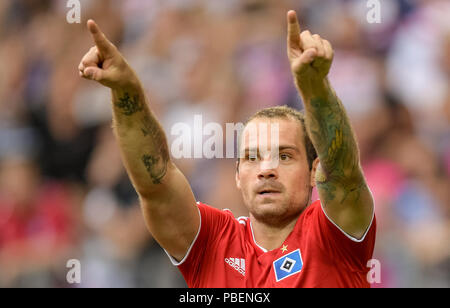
<point>285,112</point>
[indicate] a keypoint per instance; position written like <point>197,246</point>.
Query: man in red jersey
<point>286,241</point>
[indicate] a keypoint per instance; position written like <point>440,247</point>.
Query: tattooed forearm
<point>146,127</point>
<point>332,137</point>
<point>334,141</point>
<point>350,192</point>
<point>155,166</point>
<point>141,138</point>
<point>128,105</point>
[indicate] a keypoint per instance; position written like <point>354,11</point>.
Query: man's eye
<point>284,157</point>
<point>252,158</point>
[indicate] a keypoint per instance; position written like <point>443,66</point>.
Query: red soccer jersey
<point>317,253</point>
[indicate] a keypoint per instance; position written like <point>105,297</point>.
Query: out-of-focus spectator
<point>37,225</point>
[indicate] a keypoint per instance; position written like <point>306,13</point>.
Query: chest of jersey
<point>240,262</point>
<point>315,254</point>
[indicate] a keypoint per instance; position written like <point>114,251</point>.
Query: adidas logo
<point>237,263</point>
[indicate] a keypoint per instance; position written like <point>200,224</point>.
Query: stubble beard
<point>278,213</point>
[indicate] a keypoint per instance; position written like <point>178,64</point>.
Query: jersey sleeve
<point>213,223</point>
<point>343,248</point>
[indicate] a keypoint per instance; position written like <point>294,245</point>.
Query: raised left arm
<point>342,188</point>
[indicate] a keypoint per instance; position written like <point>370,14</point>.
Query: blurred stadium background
<point>64,193</point>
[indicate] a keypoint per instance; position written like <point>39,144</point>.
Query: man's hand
<point>310,56</point>
<point>104,63</point>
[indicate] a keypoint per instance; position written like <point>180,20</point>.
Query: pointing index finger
<point>102,43</point>
<point>293,30</point>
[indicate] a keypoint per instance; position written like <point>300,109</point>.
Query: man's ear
<point>237,177</point>
<point>315,165</point>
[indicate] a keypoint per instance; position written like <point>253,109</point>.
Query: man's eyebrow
<point>280,148</point>
<point>288,147</point>
<point>250,149</point>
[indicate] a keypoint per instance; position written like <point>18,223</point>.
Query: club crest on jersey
<point>288,265</point>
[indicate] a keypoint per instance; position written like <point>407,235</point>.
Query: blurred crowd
<point>64,193</point>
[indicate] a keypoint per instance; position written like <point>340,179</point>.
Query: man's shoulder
<point>311,209</point>
<point>212,213</point>
<point>309,219</point>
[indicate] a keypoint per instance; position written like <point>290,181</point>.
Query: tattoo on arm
<point>331,135</point>
<point>146,125</point>
<point>128,105</point>
<point>155,166</point>
<point>336,147</point>
<point>151,149</point>
<point>156,163</point>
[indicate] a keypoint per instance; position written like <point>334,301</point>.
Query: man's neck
<point>270,237</point>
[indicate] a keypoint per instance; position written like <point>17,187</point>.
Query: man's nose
<point>267,174</point>
<point>267,169</point>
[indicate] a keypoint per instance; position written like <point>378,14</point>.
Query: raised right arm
<point>166,198</point>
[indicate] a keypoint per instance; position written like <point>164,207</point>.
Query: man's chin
<point>268,210</point>
<point>273,211</point>
<point>269,202</point>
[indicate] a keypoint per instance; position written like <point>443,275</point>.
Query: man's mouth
<point>268,189</point>
<point>268,192</point>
